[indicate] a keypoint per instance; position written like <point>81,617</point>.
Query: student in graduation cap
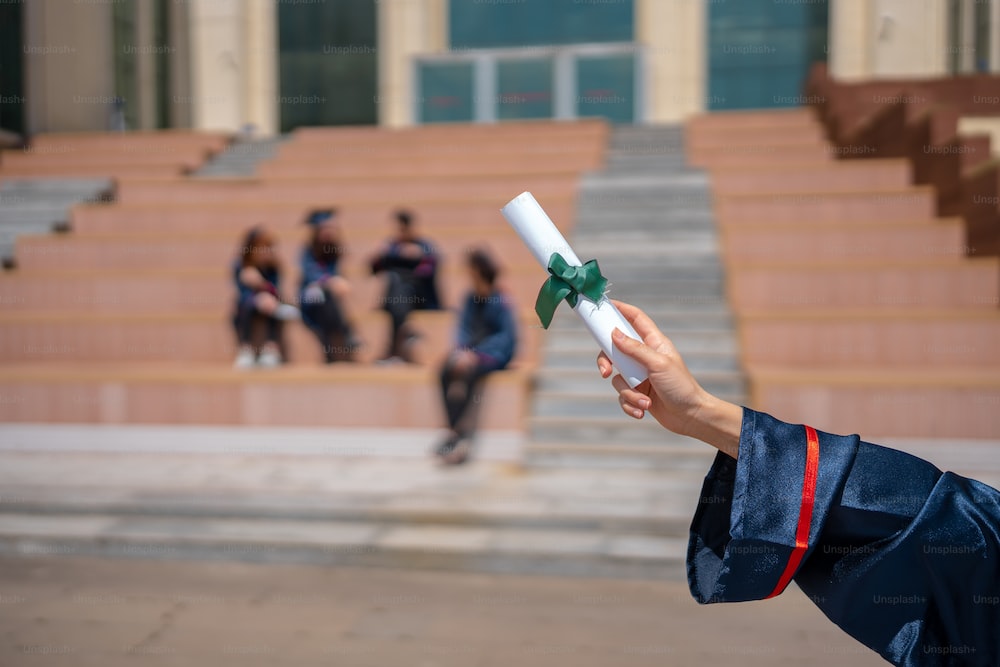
<point>903,557</point>
<point>409,264</point>
<point>323,291</point>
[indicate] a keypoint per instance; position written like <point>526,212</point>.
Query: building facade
<point>273,65</point>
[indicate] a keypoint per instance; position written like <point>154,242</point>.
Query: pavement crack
<point>164,623</point>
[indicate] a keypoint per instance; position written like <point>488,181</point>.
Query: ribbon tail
<point>553,291</point>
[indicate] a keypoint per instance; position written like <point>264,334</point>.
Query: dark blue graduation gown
<point>903,557</point>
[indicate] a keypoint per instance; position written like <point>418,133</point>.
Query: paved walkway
<point>176,492</point>
<point>106,613</point>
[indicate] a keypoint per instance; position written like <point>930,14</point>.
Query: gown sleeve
<point>903,557</point>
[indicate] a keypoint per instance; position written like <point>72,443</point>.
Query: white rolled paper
<point>542,237</point>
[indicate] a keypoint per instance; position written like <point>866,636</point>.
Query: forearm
<point>718,423</point>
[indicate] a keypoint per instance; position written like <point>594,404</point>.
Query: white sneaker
<point>269,359</point>
<point>287,311</point>
<point>244,359</point>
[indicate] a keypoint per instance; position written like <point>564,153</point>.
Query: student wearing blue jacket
<point>484,342</point>
<point>323,291</point>
<point>903,557</point>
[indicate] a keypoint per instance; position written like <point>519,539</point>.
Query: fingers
<point>634,402</point>
<point>649,358</point>
<point>641,322</point>
<point>604,365</point>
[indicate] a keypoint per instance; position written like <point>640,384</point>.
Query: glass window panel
<point>524,88</point>
<point>11,67</point>
<point>606,87</point>
<point>479,24</point>
<point>327,64</point>
<point>123,21</point>
<point>982,35</point>
<point>760,51</point>
<point>446,92</point>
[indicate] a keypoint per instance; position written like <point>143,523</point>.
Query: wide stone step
<point>650,161</point>
<point>588,406</point>
<point>597,184</point>
<point>672,316</point>
<point>645,217</point>
<point>697,364</point>
<point>685,455</point>
<point>689,341</point>
<point>585,383</point>
<point>546,552</point>
<point>619,429</point>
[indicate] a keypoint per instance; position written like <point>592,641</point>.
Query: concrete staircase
<point>42,205</point>
<point>240,159</point>
<point>648,220</point>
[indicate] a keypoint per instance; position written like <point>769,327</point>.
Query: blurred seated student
<point>410,265</point>
<point>259,309</point>
<point>323,292</point>
<point>485,341</point>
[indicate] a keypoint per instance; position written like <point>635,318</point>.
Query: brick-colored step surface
<point>319,192</point>
<point>859,175</point>
<point>235,217</point>
<point>209,337</point>
<point>311,396</point>
<point>748,121</point>
<point>174,251</point>
<point>877,338</point>
<point>761,155</point>
<point>130,142</point>
<point>422,164</point>
<point>212,290</point>
<point>91,170</point>
<point>184,157</point>
<point>938,283</point>
<point>914,402</point>
<point>916,203</point>
<point>844,240</point>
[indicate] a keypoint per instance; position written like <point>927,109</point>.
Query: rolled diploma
<point>535,228</point>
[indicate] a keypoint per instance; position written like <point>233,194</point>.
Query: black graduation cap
<point>319,216</point>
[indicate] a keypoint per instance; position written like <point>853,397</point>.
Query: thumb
<point>635,349</point>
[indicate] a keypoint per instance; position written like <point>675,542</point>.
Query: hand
<point>251,277</point>
<point>265,302</point>
<point>411,250</point>
<point>338,286</point>
<point>670,394</point>
<point>463,361</point>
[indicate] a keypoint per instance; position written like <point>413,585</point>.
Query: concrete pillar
<point>233,72</point>
<point>406,28</point>
<point>850,40</point>
<point>261,48</point>
<point>674,34</point>
<point>69,66</point>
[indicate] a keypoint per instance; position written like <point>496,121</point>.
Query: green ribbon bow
<point>568,282</point>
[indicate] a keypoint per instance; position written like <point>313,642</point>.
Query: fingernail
<point>617,334</point>
<point>645,403</point>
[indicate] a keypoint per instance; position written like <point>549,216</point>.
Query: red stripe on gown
<point>805,511</point>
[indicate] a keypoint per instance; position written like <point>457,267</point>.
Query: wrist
<point>717,422</point>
